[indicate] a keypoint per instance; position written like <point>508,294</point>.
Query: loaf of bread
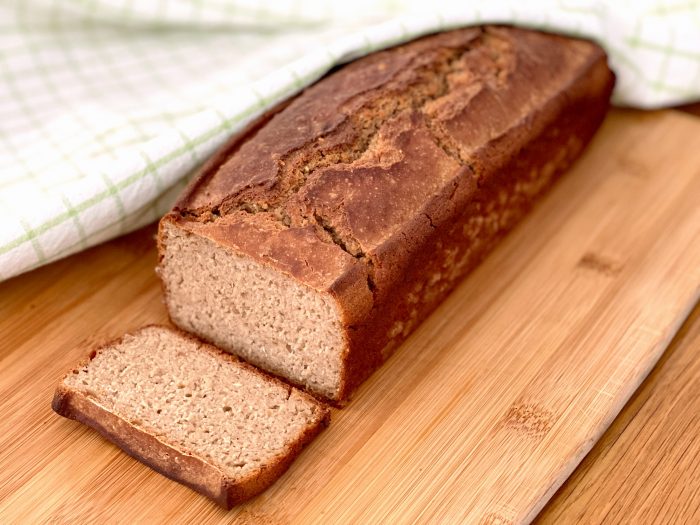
<point>319,238</point>
<point>192,412</point>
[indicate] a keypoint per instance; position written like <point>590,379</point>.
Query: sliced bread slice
<point>192,412</point>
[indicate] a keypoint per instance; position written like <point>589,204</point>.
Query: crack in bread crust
<point>425,84</point>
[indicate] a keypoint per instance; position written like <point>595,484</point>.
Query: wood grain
<point>646,467</point>
<point>480,416</point>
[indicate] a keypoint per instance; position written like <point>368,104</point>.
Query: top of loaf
<point>338,186</point>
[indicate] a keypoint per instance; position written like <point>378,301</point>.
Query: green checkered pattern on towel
<point>107,106</point>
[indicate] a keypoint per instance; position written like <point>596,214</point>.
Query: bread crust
<point>508,116</point>
<point>181,465</point>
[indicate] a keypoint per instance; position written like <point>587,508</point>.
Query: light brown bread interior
<point>259,313</point>
<point>198,401</point>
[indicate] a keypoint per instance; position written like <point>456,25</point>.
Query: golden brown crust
<point>180,465</point>
<point>211,166</point>
<point>408,165</point>
<point>468,231</point>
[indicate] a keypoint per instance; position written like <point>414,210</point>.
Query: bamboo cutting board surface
<point>645,467</point>
<point>479,417</point>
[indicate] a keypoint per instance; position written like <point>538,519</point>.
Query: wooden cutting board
<point>481,414</point>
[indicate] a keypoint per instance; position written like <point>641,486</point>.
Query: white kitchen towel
<point>107,106</point>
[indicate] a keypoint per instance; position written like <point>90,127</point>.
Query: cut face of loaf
<point>320,237</point>
<point>264,316</point>
<point>192,412</point>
